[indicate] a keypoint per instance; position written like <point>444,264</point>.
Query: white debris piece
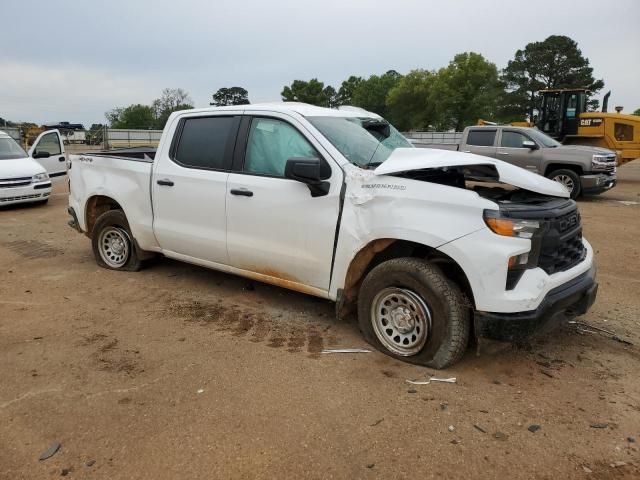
<point>346,350</point>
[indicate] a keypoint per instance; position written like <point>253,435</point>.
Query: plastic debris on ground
<point>346,350</point>
<point>51,451</point>
<point>432,379</point>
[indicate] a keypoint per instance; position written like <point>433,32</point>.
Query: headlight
<point>510,227</point>
<point>40,177</point>
<point>600,162</point>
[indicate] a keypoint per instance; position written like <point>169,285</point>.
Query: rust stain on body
<point>281,279</point>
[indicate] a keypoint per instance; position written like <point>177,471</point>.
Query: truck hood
<point>407,159</point>
<point>20,167</point>
<point>577,151</point>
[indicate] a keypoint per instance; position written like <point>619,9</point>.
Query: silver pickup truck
<point>581,169</point>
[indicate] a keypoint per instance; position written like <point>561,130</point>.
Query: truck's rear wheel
<point>568,178</point>
<point>112,242</point>
<point>409,310</point>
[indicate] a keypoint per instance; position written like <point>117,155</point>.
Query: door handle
<point>241,191</point>
<point>165,182</point>
<point>61,159</point>
<point>503,153</point>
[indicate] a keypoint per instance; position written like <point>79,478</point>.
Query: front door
<point>189,185</point>
<point>512,150</point>
<point>274,226</point>
<point>48,151</point>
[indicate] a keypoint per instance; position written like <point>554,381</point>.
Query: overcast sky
<point>70,60</point>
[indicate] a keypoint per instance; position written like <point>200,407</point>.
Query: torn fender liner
<point>407,159</point>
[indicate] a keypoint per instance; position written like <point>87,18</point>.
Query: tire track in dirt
<point>258,327</point>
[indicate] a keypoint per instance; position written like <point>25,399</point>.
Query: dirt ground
<point>181,372</point>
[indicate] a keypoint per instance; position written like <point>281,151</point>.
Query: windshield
<point>361,146</point>
<point>543,138</point>
<point>9,149</point>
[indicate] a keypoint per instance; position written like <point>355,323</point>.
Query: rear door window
<point>204,142</point>
<point>481,138</point>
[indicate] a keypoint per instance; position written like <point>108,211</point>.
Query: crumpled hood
<point>20,167</point>
<point>407,159</point>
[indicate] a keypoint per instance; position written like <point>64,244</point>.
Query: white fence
<point>434,137</point>
<point>13,132</point>
<point>121,138</point>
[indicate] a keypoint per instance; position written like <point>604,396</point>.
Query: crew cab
<point>26,177</point>
<point>429,247</point>
<point>581,169</point>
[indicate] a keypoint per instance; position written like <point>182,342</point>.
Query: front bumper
<point>559,306</point>
<point>34,192</point>
<point>597,183</point>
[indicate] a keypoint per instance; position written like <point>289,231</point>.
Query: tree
<point>313,92</point>
<point>230,96</point>
<point>637,112</point>
<point>133,116</point>
<point>556,62</point>
<point>408,103</point>
<point>371,94</point>
<point>172,100</point>
<point>348,87</point>
<point>465,90</point>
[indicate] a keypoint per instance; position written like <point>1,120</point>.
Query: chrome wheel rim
<point>401,320</point>
<point>113,245</point>
<point>565,180</point>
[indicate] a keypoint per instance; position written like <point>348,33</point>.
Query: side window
<point>512,139</point>
<point>49,143</point>
<point>203,142</point>
<point>623,132</point>
<point>271,143</point>
<point>481,138</point>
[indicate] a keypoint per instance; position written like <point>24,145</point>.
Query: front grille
<point>561,245</point>
<point>15,182</point>
<point>21,197</point>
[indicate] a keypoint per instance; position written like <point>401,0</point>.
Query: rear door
<point>189,186</point>
<point>480,141</point>
<point>274,226</point>
<point>48,151</point>
<point>511,150</point>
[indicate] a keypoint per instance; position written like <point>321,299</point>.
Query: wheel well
<point>557,166</point>
<point>96,206</point>
<point>381,250</point>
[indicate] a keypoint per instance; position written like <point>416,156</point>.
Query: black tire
<point>109,220</point>
<point>570,174</point>
<point>448,337</point>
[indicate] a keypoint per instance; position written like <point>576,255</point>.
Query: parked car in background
<point>581,169</point>
<point>26,177</point>
<point>338,204</point>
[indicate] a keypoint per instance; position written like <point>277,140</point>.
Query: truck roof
<point>303,109</point>
<point>493,127</point>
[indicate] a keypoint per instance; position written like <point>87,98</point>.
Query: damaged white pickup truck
<point>430,247</point>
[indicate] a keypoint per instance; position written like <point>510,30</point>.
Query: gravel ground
<point>181,372</point>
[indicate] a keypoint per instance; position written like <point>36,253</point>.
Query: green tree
<point>313,92</point>
<point>465,90</point>
<point>133,116</point>
<point>556,62</point>
<point>637,112</point>
<point>371,94</point>
<point>171,100</point>
<point>346,90</point>
<point>230,96</point>
<point>409,106</point>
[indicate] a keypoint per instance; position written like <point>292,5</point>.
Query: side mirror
<point>530,145</point>
<point>307,170</point>
<point>37,154</point>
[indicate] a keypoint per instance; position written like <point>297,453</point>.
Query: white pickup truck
<point>431,247</point>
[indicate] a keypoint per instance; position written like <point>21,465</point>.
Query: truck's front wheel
<point>568,178</point>
<point>112,242</point>
<point>409,310</point>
